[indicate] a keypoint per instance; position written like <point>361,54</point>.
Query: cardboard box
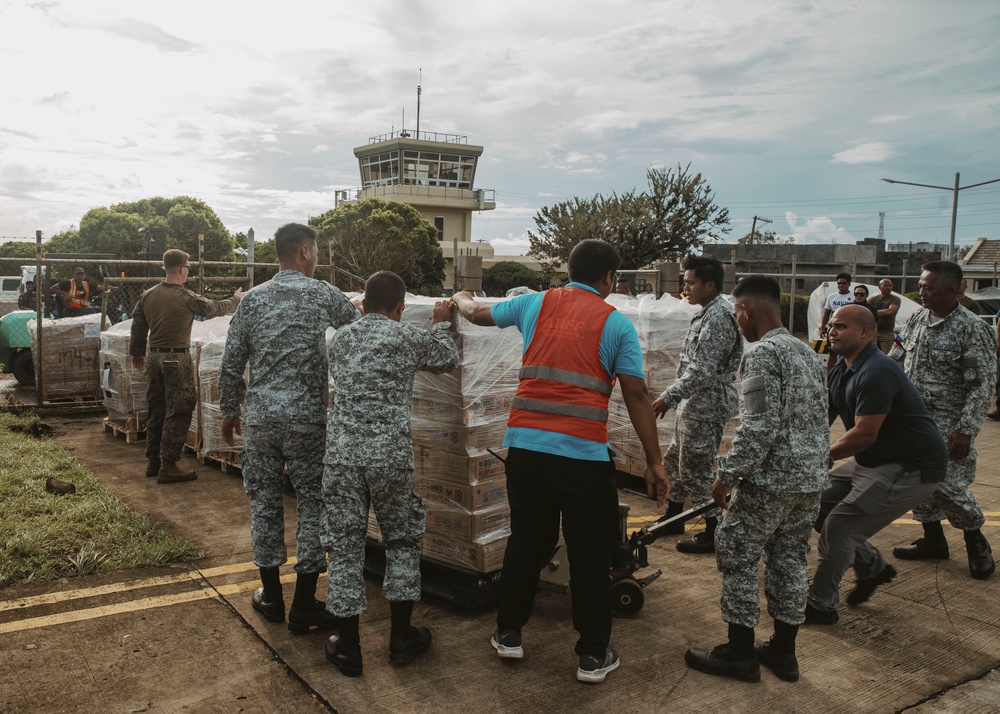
<point>467,497</point>
<point>432,463</point>
<point>465,526</point>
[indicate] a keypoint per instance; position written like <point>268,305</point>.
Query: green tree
<point>765,238</point>
<point>17,249</point>
<point>507,274</point>
<point>675,215</point>
<point>374,234</point>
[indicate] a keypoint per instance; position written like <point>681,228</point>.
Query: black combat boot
<point>152,466</point>
<point>267,600</point>
<point>306,611</point>
<point>703,542</point>
<point>778,655</point>
<point>737,658</point>
<point>343,650</point>
<point>981,563</point>
<point>406,641</point>
<point>673,509</point>
<point>932,546</point>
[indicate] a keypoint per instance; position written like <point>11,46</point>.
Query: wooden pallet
<point>226,461</point>
<point>124,429</point>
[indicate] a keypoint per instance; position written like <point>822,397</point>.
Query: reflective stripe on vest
<point>564,388</point>
<point>75,300</point>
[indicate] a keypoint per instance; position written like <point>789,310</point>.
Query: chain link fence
<point>72,354</point>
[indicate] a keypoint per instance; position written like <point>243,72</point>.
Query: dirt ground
<point>184,638</point>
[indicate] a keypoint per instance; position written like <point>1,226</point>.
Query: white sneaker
<point>507,644</point>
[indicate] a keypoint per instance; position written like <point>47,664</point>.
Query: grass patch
<point>45,536</point>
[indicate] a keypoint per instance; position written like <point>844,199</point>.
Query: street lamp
<point>954,203</point>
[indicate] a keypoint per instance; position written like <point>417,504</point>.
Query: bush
<point>801,313</point>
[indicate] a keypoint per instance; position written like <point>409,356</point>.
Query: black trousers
<point>540,488</point>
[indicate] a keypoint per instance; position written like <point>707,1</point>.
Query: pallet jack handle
<point>649,534</point>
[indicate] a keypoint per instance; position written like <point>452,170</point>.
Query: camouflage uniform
<point>369,454</point>
<point>778,466</point>
<point>280,330</point>
<point>705,389</point>
<point>164,315</point>
<point>953,365</point>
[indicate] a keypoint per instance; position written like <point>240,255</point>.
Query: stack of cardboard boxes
<point>67,357</point>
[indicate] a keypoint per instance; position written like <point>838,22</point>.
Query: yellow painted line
<point>91,613</point>
<point>67,595</point>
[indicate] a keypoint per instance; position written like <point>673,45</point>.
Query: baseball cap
<point>79,271</point>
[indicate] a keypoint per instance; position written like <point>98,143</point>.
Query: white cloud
<point>816,229</point>
<point>871,152</point>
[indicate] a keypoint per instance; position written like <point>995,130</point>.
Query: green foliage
<point>915,297</point>
<point>676,215</point>
<point>507,274</point>
<point>765,238</point>
<point>115,230</point>
<point>44,536</point>
<point>801,313</point>
<point>374,234</point>
<point>17,249</point>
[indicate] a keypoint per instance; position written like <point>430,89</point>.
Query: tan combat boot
<point>169,473</point>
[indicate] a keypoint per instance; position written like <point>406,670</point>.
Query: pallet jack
<point>631,556</point>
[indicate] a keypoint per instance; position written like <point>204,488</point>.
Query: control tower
<point>435,173</point>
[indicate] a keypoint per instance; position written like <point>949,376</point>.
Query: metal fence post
<point>39,316</point>
<point>250,259</point>
<point>201,263</point>
<point>791,299</point>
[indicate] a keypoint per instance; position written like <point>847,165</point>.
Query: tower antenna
<point>420,80</point>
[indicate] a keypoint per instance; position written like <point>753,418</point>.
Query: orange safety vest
<point>563,386</point>
<point>76,299</point>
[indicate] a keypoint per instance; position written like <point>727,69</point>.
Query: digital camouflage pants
<point>953,498</point>
<point>170,401</point>
<point>776,526</point>
<point>267,450</point>
<point>690,460</point>
<point>347,492</point>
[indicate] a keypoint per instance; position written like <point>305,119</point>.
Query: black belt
<point>169,349</point>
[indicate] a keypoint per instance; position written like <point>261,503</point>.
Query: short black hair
<point>384,291</point>
<point>706,269</point>
<point>592,259</point>
<point>290,236</point>
<point>862,287</point>
<point>845,276</point>
<point>758,286</point>
<point>945,267</point>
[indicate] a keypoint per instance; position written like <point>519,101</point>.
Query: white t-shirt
<point>835,300</point>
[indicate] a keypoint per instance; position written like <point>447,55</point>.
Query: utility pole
<point>753,228</point>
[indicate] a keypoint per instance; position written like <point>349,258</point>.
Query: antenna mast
<point>419,82</point>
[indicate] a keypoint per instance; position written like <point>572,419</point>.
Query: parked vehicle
<point>15,346</point>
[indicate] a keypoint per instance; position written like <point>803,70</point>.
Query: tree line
<point>672,218</point>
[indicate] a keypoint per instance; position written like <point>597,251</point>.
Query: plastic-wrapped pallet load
<point>661,326</point>
<point>210,342</point>
<point>68,357</point>
<point>456,418</point>
<point>124,387</point>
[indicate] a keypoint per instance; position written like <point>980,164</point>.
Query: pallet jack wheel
<point>627,597</point>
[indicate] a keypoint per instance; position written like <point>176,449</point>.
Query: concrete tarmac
<point>184,637</point>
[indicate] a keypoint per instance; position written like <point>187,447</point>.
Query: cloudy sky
<point>793,110</point>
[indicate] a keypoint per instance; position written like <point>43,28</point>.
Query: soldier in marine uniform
<point>164,315</point>
<point>280,330</point>
<point>950,355</point>
<point>777,470</point>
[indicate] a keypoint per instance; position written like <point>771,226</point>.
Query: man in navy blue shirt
<point>899,458</point>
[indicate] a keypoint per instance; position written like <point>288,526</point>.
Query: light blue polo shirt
<point>619,352</point>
